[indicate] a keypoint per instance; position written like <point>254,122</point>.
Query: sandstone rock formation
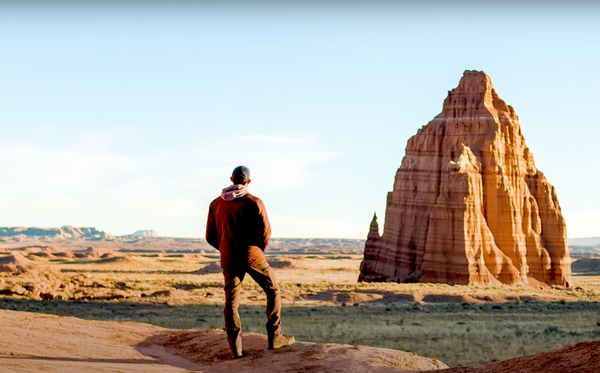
<point>468,205</point>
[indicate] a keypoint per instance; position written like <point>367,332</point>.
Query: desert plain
<point>177,284</point>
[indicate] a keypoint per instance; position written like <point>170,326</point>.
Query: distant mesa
<point>584,247</point>
<point>585,251</point>
<point>63,232</point>
<point>469,205</point>
<point>146,233</point>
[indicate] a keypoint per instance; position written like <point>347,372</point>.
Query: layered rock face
<point>468,205</point>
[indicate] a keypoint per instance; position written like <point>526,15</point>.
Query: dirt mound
<point>213,267</point>
<point>400,298</point>
<point>284,263</point>
<point>173,293</point>
<point>119,259</point>
<point>109,255</point>
<point>15,262</point>
<point>82,255</point>
<point>494,298</point>
<point>352,297</point>
<point>42,254</point>
<point>344,297</point>
<point>582,358</point>
<point>15,258</point>
<point>588,266</point>
<point>38,259</point>
<point>535,299</point>
<point>445,298</point>
<point>89,253</point>
<point>64,255</point>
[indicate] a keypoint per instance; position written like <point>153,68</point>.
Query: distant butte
<point>468,205</point>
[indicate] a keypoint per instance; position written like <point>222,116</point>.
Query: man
<point>239,228</point>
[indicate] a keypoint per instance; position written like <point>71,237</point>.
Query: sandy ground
<point>32,342</point>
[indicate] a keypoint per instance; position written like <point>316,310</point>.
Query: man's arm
<point>264,226</point>
<point>211,230</point>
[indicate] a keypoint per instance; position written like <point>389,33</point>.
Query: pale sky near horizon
<point>132,117</point>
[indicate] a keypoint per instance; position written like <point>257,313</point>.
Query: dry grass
<point>460,325</point>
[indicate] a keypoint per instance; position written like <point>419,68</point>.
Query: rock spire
<point>468,205</point>
<point>374,230</point>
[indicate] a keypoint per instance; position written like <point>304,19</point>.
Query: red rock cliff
<point>468,205</point>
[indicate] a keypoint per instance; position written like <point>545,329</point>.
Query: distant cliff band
<point>62,232</point>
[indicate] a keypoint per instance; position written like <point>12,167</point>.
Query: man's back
<point>238,227</point>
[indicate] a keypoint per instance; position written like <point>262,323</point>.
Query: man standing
<point>239,228</point>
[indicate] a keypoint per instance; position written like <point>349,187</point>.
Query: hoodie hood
<point>234,191</point>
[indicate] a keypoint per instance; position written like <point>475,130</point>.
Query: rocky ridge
<point>65,231</point>
<point>469,205</point>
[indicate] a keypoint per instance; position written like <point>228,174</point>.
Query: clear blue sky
<point>131,117</point>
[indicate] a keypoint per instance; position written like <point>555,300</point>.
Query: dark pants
<point>265,278</point>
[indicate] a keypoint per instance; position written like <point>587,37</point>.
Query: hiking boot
<point>281,341</point>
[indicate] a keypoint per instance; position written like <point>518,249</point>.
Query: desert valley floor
<point>323,303</point>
